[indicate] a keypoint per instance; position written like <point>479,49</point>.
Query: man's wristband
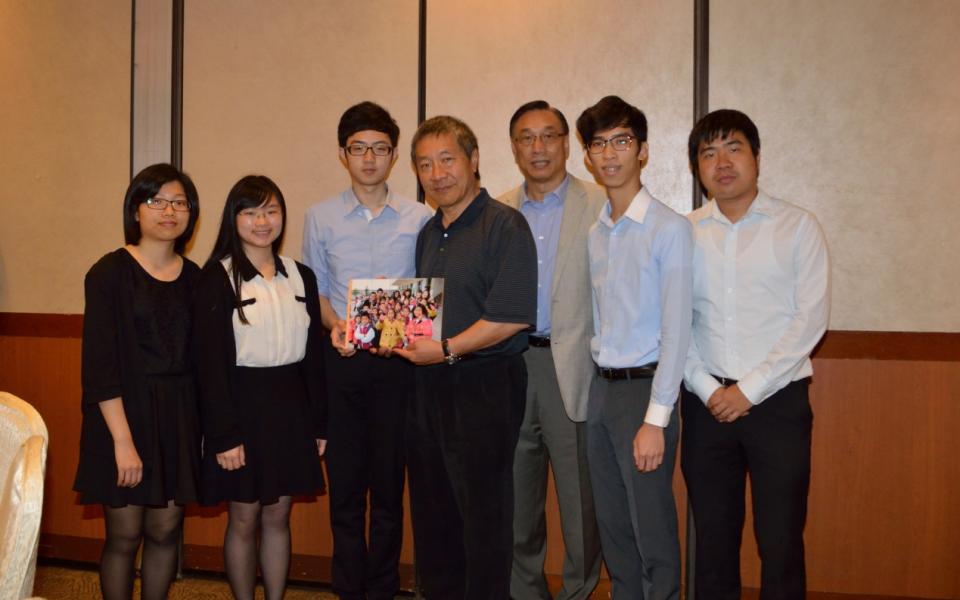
<point>448,355</point>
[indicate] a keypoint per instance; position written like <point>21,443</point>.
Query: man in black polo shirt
<point>462,428</point>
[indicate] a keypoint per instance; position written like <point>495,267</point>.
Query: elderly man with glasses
<point>560,210</point>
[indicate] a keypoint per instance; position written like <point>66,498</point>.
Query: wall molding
<point>836,344</point>
<point>43,325</point>
<point>889,345</point>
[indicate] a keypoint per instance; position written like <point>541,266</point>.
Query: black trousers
<point>772,443</point>
<point>461,433</point>
<point>368,396</point>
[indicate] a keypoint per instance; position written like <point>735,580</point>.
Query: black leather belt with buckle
<point>538,342</point>
<point>642,372</point>
<point>725,381</point>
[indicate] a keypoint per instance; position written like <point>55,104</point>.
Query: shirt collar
<point>636,212</point>
<point>761,205</point>
<point>552,198</point>
<point>468,216</point>
<point>248,271</point>
<point>352,204</point>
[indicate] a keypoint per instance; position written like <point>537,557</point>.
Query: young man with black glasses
<point>364,232</point>
<point>640,269</point>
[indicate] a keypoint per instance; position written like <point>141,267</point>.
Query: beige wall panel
<point>486,58</point>
<point>856,102</point>
<point>64,160</point>
<point>265,84</point>
<point>152,82</point>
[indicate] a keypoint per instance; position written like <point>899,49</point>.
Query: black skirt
<point>172,472</point>
<point>278,441</point>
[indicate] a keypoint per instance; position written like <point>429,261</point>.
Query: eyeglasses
<point>360,149</point>
<point>620,143</point>
<point>158,203</point>
<point>547,138</point>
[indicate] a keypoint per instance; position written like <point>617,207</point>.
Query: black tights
<point>240,547</point>
<point>159,528</point>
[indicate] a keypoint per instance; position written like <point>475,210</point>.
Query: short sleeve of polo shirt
<point>513,259</point>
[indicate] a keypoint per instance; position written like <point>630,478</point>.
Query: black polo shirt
<point>489,262</point>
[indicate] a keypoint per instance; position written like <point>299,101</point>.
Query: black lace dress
<point>136,346</point>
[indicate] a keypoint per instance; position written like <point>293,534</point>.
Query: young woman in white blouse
<point>262,395</point>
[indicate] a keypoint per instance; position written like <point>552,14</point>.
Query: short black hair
<point>720,124</point>
<point>608,113</point>
<point>367,116</point>
<point>445,124</point>
<point>538,105</point>
<point>145,185</point>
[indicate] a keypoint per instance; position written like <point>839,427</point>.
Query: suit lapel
<point>575,207</point>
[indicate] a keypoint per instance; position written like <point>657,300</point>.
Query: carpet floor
<point>55,582</point>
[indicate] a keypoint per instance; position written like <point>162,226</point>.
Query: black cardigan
<point>216,357</point>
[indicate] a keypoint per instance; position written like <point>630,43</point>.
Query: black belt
<point>538,342</point>
<point>724,381</point>
<point>642,372</point>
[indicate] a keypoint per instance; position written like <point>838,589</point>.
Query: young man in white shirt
<point>761,293</point>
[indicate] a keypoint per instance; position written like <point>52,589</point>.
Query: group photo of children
<point>392,313</point>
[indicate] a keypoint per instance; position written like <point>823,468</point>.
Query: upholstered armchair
<point>23,458</point>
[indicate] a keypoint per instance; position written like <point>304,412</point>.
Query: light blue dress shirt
<point>641,274</point>
<point>544,219</point>
<point>342,240</point>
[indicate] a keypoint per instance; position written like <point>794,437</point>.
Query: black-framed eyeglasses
<point>620,143</point>
<point>547,138</point>
<point>360,149</point>
<point>158,203</point>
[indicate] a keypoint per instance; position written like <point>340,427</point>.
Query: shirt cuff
<point>223,442</point>
<point>658,414</point>
<point>753,386</point>
<point>703,385</point>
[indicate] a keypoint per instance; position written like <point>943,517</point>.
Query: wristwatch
<point>448,356</point>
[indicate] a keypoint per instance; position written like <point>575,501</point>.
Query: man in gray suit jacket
<point>560,210</point>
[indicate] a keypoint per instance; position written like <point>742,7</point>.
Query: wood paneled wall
<point>884,496</point>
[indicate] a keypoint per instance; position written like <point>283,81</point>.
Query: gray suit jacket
<point>571,309</point>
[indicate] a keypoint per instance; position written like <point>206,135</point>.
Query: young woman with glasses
<point>140,441</point>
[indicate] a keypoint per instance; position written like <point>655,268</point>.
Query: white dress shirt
<point>277,312</point>
<point>761,297</point>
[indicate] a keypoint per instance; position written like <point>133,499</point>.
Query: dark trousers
<point>367,402</point>
<point>461,433</point>
<point>772,443</point>
<point>636,511</point>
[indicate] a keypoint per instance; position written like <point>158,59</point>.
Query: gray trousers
<point>547,435</point>
<point>636,511</point>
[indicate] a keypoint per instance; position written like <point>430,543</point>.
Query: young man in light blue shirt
<point>640,271</point>
<point>366,231</point>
